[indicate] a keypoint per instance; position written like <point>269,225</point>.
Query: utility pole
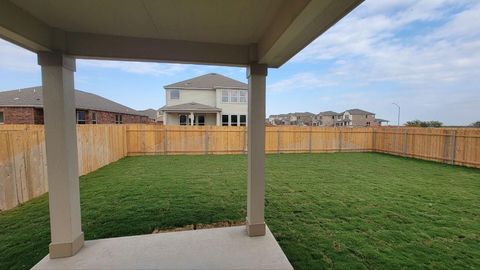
<point>398,116</point>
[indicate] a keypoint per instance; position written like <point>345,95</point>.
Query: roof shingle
<point>32,97</point>
<point>208,81</point>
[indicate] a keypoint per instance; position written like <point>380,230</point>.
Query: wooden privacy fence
<point>23,161</point>
<point>154,140</point>
<point>447,145</point>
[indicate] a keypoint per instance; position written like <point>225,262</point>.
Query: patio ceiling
<point>222,32</point>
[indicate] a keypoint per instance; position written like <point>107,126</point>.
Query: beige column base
<point>61,250</point>
<point>255,229</point>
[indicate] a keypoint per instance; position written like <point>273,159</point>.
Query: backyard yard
<point>342,210</point>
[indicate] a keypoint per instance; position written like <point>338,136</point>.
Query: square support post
<point>256,74</point>
<point>61,147</point>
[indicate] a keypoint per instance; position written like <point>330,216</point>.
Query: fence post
<point>340,140</point>
<point>454,146</point>
<point>405,141</point>
<point>374,140</point>
<point>206,140</point>
<point>310,140</point>
<point>245,139</point>
<point>165,144</point>
<point>278,140</point>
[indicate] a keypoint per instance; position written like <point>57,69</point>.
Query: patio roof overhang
<point>181,31</point>
<point>256,34</point>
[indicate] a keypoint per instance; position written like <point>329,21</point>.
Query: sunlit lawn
<point>343,211</point>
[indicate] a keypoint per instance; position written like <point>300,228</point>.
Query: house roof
<point>180,31</point>
<point>357,112</point>
<point>302,114</point>
<point>381,120</point>
<point>208,81</point>
<point>190,107</point>
<point>32,97</point>
<point>329,113</point>
<point>151,113</point>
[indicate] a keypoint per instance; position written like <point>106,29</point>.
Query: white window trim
<point>170,94</point>
<point>238,95</point>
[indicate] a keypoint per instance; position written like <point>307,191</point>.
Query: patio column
<point>192,118</point>
<point>256,74</point>
<point>61,148</point>
<point>219,119</point>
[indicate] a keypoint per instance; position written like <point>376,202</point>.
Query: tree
<point>418,123</point>
<point>476,124</point>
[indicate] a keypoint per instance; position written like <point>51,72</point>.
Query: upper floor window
<point>234,96</point>
<point>225,95</point>
<point>174,94</point>
<point>1,118</point>
<point>243,96</point>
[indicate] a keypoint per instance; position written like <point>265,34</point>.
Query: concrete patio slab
<point>219,248</point>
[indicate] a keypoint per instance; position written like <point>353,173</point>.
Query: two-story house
<point>210,99</point>
<point>356,118</point>
<point>328,118</point>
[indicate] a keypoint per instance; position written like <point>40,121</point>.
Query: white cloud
<point>144,68</point>
<point>299,81</point>
<point>367,47</point>
<point>14,58</point>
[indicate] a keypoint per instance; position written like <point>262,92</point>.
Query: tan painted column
<point>219,119</point>
<point>61,148</point>
<point>256,74</point>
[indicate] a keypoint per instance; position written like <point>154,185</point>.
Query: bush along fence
<point>23,161</point>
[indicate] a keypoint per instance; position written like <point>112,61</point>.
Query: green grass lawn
<point>342,211</point>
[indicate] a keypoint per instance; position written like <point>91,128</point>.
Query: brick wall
<point>28,115</point>
<point>18,115</point>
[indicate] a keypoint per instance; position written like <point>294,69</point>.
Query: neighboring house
<point>210,99</point>
<point>279,119</point>
<point>357,118</point>
<point>380,122</point>
<point>302,118</point>
<point>349,118</point>
<point>328,118</point>
<point>296,119</point>
<point>25,106</point>
<point>153,115</point>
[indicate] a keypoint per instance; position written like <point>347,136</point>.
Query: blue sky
<point>423,55</point>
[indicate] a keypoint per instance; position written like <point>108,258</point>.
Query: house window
<point>118,119</point>
<point>201,120</point>
<point>234,120</point>
<point>234,96</point>
<point>94,117</point>
<point>225,120</point>
<point>183,119</point>
<point>1,118</point>
<point>243,120</point>
<point>225,96</point>
<point>174,94</point>
<point>243,96</point>
<point>368,124</point>
<point>81,117</point>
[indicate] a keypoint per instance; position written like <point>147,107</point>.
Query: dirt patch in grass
<point>192,227</point>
